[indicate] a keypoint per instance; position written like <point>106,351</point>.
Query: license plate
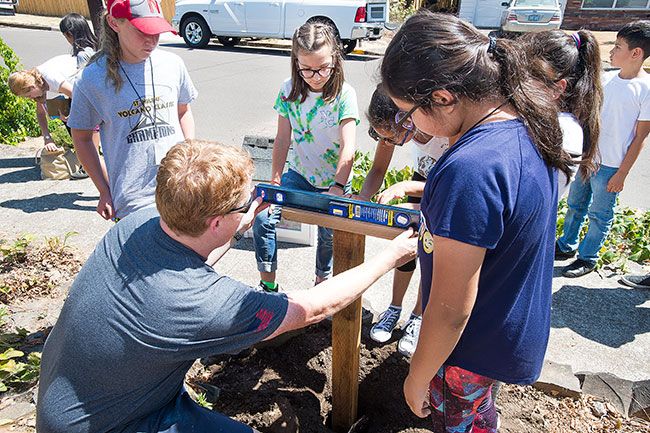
<point>534,17</point>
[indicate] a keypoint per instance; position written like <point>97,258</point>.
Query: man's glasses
<point>245,207</point>
<point>323,72</point>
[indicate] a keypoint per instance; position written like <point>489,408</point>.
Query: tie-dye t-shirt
<point>315,130</point>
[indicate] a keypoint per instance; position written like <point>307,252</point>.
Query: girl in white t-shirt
<point>569,65</point>
<point>382,114</point>
<point>77,32</point>
<point>318,114</point>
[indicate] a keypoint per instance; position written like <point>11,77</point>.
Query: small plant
<point>14,252</point>
<point>628,239</point>
<point>202,400</point>
<point>13,371</point>
<point>56,245</point>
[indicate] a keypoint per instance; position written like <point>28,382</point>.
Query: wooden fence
<point>58,8</point>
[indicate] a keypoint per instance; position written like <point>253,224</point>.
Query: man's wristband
<point>237,236</point>
<point>340,185</point>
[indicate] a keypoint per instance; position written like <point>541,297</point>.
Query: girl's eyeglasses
<point>323,72</point>
<point>403,118</point>
<point>375,136</point>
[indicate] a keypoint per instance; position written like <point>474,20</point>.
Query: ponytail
<point>434,51</point>
<point>585,99</point>
<point>554,56</point>
<point>531,102</point>
<point>109,47</point>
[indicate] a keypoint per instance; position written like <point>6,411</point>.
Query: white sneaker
<point>382,331</point>
<point>409,341</point>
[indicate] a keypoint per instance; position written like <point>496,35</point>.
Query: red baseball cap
<point>145,15</point>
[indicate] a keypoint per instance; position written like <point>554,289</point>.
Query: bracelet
<point>339,184</point>
<point>238,236</point>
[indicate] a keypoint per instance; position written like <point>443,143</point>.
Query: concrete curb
<point>28,26</point>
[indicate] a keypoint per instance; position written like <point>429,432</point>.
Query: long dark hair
<point>434,51</point>
<point>554,56</point>
<point>310,37</point>
<point>78,28</point>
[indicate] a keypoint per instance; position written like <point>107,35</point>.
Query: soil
<point>284,386</point>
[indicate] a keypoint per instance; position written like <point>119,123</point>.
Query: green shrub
<point>59,133</point>
<point>18,115</point>
<point>361,167</point>
<point>628,239</point>
<point>400,10</point>
<point>16,369</point>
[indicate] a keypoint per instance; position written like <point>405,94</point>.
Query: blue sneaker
<point>382,331</point>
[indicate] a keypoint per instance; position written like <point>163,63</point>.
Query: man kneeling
<point>145,305</point>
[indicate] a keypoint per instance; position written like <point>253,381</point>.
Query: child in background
<point>625,124</point>
<point>140,96</point>
<point>382,114</point>
<point>488,211</point>
<point>317,110</point>
<point>569,65</point>
<point>77,32</point>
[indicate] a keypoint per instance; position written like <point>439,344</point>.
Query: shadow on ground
<point>609,316</point>
<point>51,202</point>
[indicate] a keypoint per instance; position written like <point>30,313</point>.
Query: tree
<point>96,7</point>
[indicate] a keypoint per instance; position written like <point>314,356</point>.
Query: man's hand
<point>105,206</point>
<point>247,220</point>
<point>391,193</point>
<point>417,396</point>
<point>616,182</point>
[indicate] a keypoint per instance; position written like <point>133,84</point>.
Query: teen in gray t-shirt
<point>135,132</point>
<point>148,306</point>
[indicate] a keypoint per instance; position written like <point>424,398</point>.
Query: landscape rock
<point>17,410</point>
<point>640,405</point>
<point>558,380</point>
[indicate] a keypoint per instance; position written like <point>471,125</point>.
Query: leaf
<point>10,353</point>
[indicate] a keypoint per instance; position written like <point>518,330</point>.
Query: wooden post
<point>96,8</point>
<point>349,251</point>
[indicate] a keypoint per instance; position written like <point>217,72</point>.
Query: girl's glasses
<point>375,136</point>
<point>309,73</point>
<point>403,118</point>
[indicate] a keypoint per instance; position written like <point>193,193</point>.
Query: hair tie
<point>492,44</point>
<point>576,39</point>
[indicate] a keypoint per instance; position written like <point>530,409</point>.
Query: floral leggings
<point>461,402</point>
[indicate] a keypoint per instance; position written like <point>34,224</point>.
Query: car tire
<point>348,45</point>
<point>195,32</point>
<point>228,41</point>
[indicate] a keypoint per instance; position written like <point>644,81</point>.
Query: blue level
<point>391,216</point>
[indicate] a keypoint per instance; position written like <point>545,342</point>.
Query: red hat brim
<point>152,25</point>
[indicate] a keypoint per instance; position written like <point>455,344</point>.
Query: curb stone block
<point>619,392</point>
<point>558,380</point>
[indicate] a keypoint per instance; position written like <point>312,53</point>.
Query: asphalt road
<point>238,86</point>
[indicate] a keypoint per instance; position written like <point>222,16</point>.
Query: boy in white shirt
<point>625,123</point>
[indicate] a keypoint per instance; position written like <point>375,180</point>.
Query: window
<point>615,4</point>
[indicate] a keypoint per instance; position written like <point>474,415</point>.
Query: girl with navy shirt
<point>488,212</point>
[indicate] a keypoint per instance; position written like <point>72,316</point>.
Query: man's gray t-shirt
<point>134,137</point>
<point>141,310</point>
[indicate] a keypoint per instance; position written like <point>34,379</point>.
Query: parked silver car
<point>531,16</point>
<point>8,6</point>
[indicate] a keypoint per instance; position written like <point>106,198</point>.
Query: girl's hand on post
<point>335,190</point>
<point>405,247</point>
<point>417,396</point>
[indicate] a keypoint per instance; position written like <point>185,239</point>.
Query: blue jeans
<point>591,198</point>
<point>266,249</point>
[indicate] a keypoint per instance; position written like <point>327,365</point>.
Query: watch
<point>237,236</point>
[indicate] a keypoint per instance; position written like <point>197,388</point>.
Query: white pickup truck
<point>197,21</point>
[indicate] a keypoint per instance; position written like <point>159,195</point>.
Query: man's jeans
<point>266,249</point>
<point>589,198</point>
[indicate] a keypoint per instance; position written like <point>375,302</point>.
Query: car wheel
<point>195,32</point>
<point>349,45</point>
<point>228,41</point>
